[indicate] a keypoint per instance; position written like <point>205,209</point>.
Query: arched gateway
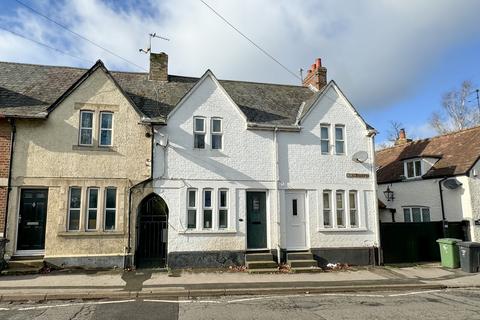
<point>152,236</point>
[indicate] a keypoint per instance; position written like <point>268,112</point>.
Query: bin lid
<point>448,240</point>
<point>469,244</point>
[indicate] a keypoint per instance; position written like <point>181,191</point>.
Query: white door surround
<point>296,230</point>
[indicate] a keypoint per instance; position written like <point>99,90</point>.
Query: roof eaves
<point>272,127</point>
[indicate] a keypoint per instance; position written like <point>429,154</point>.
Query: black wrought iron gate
<point>152,229</point>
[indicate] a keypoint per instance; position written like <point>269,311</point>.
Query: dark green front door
<point>256,220</point>
<point>32,219</point>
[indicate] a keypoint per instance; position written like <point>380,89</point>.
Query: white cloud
<point>377,50</point>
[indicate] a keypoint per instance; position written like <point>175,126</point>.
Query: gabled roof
<point>457,153</point>
<point>28,90</point>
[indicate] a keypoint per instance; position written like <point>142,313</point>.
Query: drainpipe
<point>277,181</point>
<point>9,183</point>
<point>444,220</point>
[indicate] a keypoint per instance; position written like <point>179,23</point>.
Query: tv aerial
<point>150,36</point>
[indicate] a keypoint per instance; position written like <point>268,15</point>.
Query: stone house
<point>435,179</point>
<point>151,169</point>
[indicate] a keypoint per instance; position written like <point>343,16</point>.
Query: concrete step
<point>307,270</point>
<point>302,263</point>
<point>258,257</point>
<point>19,264</point>
<point>21,271</point>
<point>303,255</point>
<point>261,265</point>
<point>264,270</point>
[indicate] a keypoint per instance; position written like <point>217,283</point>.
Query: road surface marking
<point>74,304</point>
<point>414,293</point>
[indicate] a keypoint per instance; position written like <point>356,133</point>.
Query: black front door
<point>152,233</point>
<point>256,220</point>
<point>32,219</point>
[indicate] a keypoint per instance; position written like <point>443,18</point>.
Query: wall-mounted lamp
<point>389,194</point>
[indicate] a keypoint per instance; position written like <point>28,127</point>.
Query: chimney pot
<point>318,63</point>
<point>158,66</point>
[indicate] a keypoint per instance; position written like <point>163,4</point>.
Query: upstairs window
<point>339,139</point>
<point>325,138</point>
<point>86,128</point>
<point>217,133</point>
<point>106,128</point>
<point>199,133</point>
<point>413,169</point>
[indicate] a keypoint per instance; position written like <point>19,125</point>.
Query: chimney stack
<point>158,66</point>
<point>402,138</point>
<point>316,75</point>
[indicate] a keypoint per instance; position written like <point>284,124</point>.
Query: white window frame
<point>413,162</point>
<point>79,209</point>
<point>337,209</point>
<point>198,132</point>
<point>327,139</point>
<point>110,209</point>
<point>81,128</point>
<point>353,208</point>
<point>421,208</point>
<point>204,208</point>
<point>88,208</point>
<point>189,208</point>
<point>220,207</point>
<point>340,126</point>
<point>329,208</point>
<point>216,133</point>
<point>105,129</point>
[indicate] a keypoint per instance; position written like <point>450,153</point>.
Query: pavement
<point>89,285</point>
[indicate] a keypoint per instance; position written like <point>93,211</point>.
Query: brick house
<point>203,170</point>
<point>5,143</point>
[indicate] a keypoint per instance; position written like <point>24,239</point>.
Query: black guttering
<point>10,164</point>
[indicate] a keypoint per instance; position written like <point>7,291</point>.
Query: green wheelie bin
<point>449,252</point>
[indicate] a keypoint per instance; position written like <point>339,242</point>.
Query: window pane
<point>324,133</point>
<point>191,198</point>
<point>353,218</point>
<point>223,198</point>
<point>338,133</point>
<point>75,197</point>
<point>199,141</point>
<point>207,219</point>
<point>216,125</point>
<point>107,119</point>
<point>416,215</point>
<point>339,147</point>
<point>426,215</point>
<point>92,219</point>
<point>406,215</point>
<point>207,198</point>
<point>418,168</point>
<point>294,207</point>
<point>74,220</point>
<point>87,119</point>
<point>86,136</point>
<point>353,200</point>
<point>222,219</point>
<point>326,218</point>
<point>339,200</point>
<point>326,200</point>
<point>216,141</point>
<point>192,219</point>
<point>340,218</point>
<point>110,219</point>
<point>92,198</point>
<point>200,124</point>
<point>410,172</point>
<point>111,198</point>
<point>106,137</point>
<point>325,146</point>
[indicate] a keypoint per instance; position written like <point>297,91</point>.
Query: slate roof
<point>27,90</point>
<point>457,153</point>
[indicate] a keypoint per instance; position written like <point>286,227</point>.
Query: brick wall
<point>5,135</point>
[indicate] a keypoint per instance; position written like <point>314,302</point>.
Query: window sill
<point>94,148</point>
<point>194,231</point>
<point>342,229</point>
<point>90,233</point>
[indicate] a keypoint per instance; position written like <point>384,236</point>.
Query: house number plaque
<point>358,175</point>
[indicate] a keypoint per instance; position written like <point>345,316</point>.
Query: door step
<point>23,265</point>
<point>302,261</point>
<point>260,262</point>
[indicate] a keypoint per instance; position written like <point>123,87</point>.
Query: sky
<point>393,59</point>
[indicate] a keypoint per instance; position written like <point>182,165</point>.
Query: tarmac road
<point>433,304</point>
